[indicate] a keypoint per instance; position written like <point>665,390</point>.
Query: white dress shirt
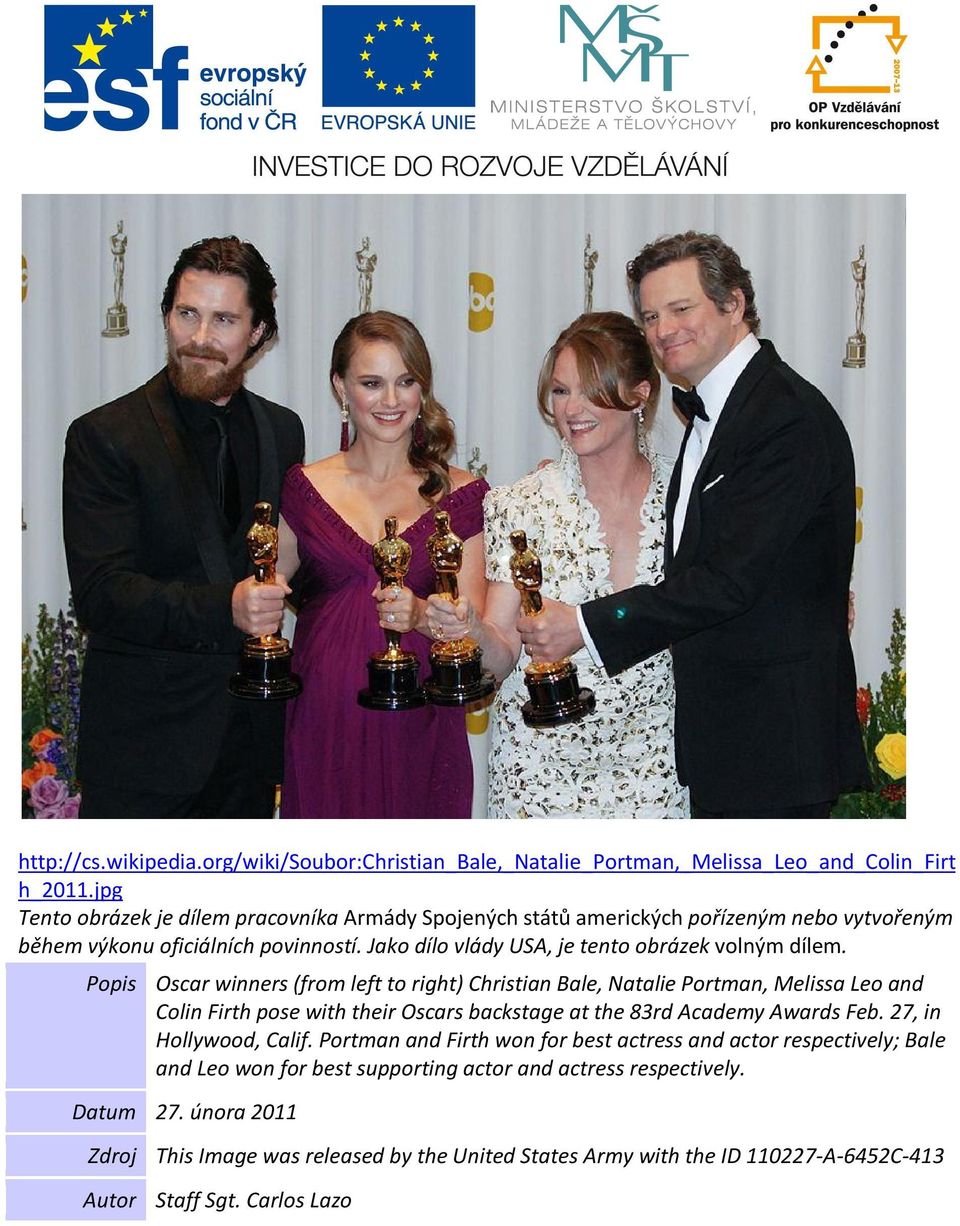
<point>714,390</point>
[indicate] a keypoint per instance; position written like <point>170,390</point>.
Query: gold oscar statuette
<point>117,324</point>
<point>857,344</point>
<point>265,660</point>
<point>555,693</point>
<point>457,674</point>
<point>394,683</point>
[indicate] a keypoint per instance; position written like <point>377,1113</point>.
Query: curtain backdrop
<point>524,258</point>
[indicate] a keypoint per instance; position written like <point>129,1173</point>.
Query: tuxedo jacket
<point>152,576</point>
<point>754,603</point>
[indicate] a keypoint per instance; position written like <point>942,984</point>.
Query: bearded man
<point>158,492</point>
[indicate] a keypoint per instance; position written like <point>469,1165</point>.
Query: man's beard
<point>197,382</point>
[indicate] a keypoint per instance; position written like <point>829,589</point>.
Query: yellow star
<point>106,27</point>
<point>398,22</point>
<point>428,38</point>
<point>398,89</point>
<point>414,25</point>
<point>428,72</point>
<point>369,73</point>
<point>381,85</point>
<point>368,38</point>
<point>414,84</point>
<point>89,51</point>
<point>433,56</point>
<point>127,18</point>
<point>143,12</point>
<point>364,55</point>
<point>381,26</point>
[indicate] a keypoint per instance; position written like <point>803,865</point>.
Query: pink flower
<point>56,812</point>
<point>50,800</point>
<point>48,793</point>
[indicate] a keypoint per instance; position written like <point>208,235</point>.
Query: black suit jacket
<point>152,577</point>
<point>754,603</point>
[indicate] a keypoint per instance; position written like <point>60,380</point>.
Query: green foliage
<point>882,713</point>
<point>51,665</point>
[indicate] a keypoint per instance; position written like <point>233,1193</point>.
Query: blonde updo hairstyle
<point>613,357</point>
<point>430,456</point>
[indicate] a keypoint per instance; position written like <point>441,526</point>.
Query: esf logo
<point>480,317</point>
<point>623,40</point>
<point>109,52</point>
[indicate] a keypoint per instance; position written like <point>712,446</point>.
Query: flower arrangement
<point>52,661</point>
<point>883,722</point>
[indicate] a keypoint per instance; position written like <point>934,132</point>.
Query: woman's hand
<point>553,634</point>
<point>447,621</point>
<point>398,608</point>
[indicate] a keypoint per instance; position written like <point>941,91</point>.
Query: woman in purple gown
<point>343,760</point>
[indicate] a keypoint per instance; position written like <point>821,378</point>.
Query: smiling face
<point>384,397</point>
<point>590,429</point>
<point>686,330</point>
<point>209,334</point>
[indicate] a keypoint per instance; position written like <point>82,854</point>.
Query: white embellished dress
<point>619,761</point>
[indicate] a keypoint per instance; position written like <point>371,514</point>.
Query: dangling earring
<point>419,437</point>
<point>639,414</point>
<point>344,426</point>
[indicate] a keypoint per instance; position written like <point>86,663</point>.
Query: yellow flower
<point>891,753</point>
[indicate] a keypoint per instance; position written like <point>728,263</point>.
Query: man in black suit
<point>158,492</point>
<point>759,547</point>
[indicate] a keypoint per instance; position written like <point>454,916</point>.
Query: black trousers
<point>234,789</point>
<point>802,812</point>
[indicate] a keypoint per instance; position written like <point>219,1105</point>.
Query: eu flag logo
<point>81,36</point>
<point>407,56</point>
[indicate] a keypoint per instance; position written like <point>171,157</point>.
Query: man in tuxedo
<point>759,548</point>
<point>158,493</point>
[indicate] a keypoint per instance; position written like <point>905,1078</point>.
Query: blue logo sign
<point>104,55</point>
<point>614,42</point>
<point>407,56</point>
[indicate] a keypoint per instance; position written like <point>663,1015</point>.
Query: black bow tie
<point>689,404</point>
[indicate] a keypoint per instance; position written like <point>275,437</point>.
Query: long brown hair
<point>430,456</point>
<point>612,357</point>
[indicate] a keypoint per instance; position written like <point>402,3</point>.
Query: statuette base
<point>265,672</point>
<point>856,357</point>
<point>116,322</point>
<point>457,675</point>
<point>556,696</point>
<point>394,683</point>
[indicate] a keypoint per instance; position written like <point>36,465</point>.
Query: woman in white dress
<point>596,519</point>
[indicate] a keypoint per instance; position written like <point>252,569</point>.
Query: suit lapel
<point>673,492</point>
<point>269,477</point>
<point>725,430</point>
<point>691,519</point>
<point>200,511</point>
<point>740,393</point>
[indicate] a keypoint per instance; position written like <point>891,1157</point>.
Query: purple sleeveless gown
<point>341,760</point>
